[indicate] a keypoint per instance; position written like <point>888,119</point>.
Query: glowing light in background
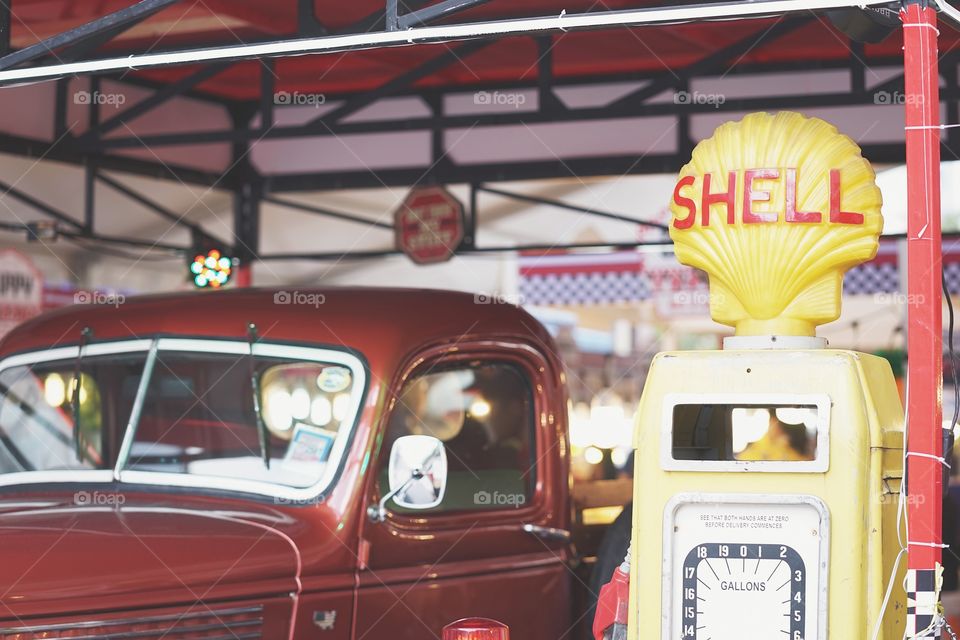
<point>605,423</point>
<point>212,270</point>
<point>749,425</point>
<point>593,455</point>
<point>480,409</point>
<point>54,390</point>
<point>620,455</point>
<point>580,426</point>
<point>321,411</point>
<point>279,409</point>
<point>300,403</point>
<point>799,415</point>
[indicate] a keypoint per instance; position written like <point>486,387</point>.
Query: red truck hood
<point>60,557</point>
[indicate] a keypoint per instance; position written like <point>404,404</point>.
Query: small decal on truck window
<point>310,444</point>
<point>334,379</point>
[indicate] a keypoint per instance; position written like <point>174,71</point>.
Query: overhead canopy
<point>589,55</point>
<point>608,102</point>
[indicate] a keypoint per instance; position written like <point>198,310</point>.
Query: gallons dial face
<point>746,567</point>
<point>761,585</point>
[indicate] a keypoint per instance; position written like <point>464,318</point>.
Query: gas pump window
<point>710,432</point>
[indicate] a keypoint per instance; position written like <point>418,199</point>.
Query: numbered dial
<point>736,591</point>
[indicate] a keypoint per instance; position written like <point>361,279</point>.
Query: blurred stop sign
<point>429,225</point>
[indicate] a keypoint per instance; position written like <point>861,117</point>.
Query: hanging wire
<point>953,361</point>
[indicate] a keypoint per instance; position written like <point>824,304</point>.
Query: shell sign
<point>776,208</point>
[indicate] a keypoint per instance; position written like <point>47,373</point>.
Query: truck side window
<point>483,413</point>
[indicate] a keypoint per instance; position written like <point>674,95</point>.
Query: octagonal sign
<point>429,225</point>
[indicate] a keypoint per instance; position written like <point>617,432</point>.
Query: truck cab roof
<point>372,321</point>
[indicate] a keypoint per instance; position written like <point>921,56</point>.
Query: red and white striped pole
<point>924,339</point>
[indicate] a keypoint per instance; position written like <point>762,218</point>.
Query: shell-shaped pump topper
<point>776,208</point>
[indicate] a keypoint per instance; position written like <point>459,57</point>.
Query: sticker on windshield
<point>309,444</point>
<point>334,379</point>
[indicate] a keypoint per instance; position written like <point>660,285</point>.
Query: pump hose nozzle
<point>610,622</point>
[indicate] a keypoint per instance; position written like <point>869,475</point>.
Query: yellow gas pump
<point>767,473</point>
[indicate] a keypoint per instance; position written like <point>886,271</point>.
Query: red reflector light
<point>476,629</point>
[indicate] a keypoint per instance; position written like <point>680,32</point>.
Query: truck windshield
<point>190,410</point>
<point>37,430</point>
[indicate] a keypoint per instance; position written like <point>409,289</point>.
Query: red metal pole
<point>244,277</point>
<point>925,339</point>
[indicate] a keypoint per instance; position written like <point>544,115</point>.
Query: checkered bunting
<point>872,277</point>
<point>584,288</point>
<point>626,277</point>
<point>921,600</point>
<point>952,271</point>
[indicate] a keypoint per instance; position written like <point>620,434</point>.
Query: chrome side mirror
<point>417,474</point>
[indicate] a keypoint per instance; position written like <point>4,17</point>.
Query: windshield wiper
<point>262,435</point>
<point>75,396</point>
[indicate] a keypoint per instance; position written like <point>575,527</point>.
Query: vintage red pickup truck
<point>339,463</point>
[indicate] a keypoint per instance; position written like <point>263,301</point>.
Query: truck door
<point>495,545</point>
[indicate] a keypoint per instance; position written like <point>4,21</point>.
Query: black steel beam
<point>569,207</point>
<point>162,95</point>
<point>376,21</point>
<point>152,205</point>
<point>330,213</point>
<point>111,22</point>
<point>267,95</point>
<point>130,242</point>
<point>548,115</point>
<point>545,78</point>
<point>153,85</point>
<point>540,246</point>
<point>427,93</point>
<point>400,82</point>
<point>14,227</point>
<point>668,79</point>
<point>89,192</point>
<point>858,68</point>
<point>492,172</point>
<point>438,153</point>
<point>5,26</point>
<point>42,207</point>
<point>307,23</point>
<point>93,108</point>
<point>507,171</point>
<point>84,48</point>
<point>60,108</point>
<point>470,226</point>
<point>246,221</point>
<point>63,152</point>
<point>441,9</point>
<point>391,19</point>
<point>248,194</point>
